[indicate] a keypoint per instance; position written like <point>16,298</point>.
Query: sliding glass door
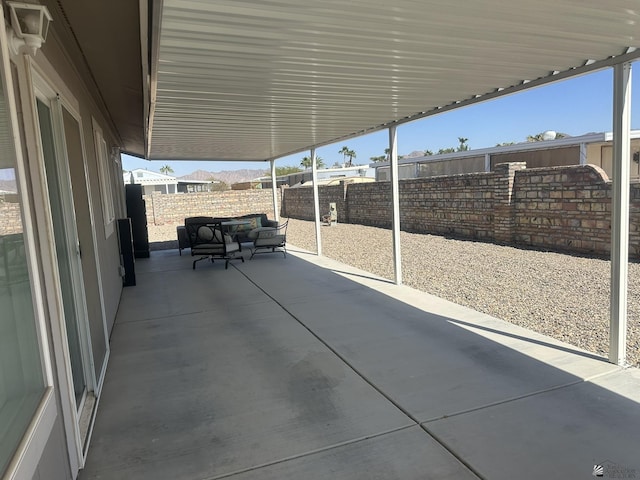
<point>22,380</point>
<point>67,249</point>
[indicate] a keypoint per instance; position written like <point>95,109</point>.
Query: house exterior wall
<point>604,152</point>
<point>550,157</point>
<point>53,463</point>
<point>451,167</point>
<point>55,63</point>
<point>52,451</point>
<point>599,153</point>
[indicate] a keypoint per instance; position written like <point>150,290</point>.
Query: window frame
<point>104,176</point>
<point>28,451</point>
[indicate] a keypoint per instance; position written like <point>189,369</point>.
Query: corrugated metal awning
<point>256,80</point>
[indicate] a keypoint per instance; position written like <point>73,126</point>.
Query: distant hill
<point>415,153</point>
<point>228,176</point>
<point>8,186</point>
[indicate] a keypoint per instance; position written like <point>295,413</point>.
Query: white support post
<point>316,201</point>
<point>487,162</point>
<point>274,191</point>
<point>620,212</point>
<point>395,204</point>
<point>583,153</point>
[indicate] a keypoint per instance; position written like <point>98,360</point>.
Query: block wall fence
<point>10,215</point>
<point>565,209</point>
<point>173,209</point>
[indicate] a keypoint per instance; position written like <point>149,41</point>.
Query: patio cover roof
<point>256,80</point>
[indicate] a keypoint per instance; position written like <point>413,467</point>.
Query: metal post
<point>316,201</point>
<point>395,204</point>
<point>583,153</point>
<point>620,212</point>
<point>487,162</point>
<point>274,191</point>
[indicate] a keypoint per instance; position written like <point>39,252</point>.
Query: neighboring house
<point>191,184</point>
<point>159,182</point>
<point>151,181</point>
<point>592,148</point>
<point>340,173</point>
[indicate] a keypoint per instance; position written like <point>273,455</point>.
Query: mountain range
<point>227,176</point>
<point>8,186</point>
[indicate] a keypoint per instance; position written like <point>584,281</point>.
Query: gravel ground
<point>562,296</point>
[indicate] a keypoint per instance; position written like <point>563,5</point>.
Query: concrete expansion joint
<point>520,397</point>
<point>309,453</point>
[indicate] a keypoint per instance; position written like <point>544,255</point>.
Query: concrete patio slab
<point>433,364</point>
<point>562,433</point>
<point>408,454</point>
<point>233,386</point>
<point>306,368</point>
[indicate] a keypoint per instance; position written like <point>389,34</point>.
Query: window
<point>102,155</point>
<point>22,381</point>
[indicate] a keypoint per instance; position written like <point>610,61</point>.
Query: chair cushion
<point>254,222</point>
<point>263,231</point>
<point>213,235</point>
<point>272,241</point>
<point>208,249</point>
<point>205,234</point>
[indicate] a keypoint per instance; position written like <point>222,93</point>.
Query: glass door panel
<point>22,381</point>
<point>66,253</point>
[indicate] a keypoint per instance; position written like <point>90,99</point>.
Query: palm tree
<point>351,154</point>
<point>446,150</point>
<point>344,151</point>
<point>166,169</point>
<point>306,162</point>
<point>463,147</point>
<point>286,170</point>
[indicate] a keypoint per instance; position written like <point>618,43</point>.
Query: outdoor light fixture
<point>30,24</point>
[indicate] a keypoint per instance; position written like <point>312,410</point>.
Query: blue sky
<point>576,106</point>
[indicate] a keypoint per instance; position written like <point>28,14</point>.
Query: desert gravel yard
<point>563,296</point>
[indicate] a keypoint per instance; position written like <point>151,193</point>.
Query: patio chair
<point>210,241</point>
<point>269,239</point>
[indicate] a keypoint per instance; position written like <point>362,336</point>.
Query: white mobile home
<point>593,148</point>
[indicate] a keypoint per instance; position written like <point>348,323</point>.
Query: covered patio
<point>307,368</point>
<point>280,368</point>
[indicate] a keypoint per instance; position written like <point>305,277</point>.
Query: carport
<point>261,80</point>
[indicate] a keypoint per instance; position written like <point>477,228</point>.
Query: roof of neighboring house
<point>334,181</point>
<point>516,147</point>
<point>147,177</point>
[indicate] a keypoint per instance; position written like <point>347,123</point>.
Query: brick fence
<point>11,221</point>
<point>555,208</point>
<point>168,209</point>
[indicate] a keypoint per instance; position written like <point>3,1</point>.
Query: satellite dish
<point>549,135</point>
